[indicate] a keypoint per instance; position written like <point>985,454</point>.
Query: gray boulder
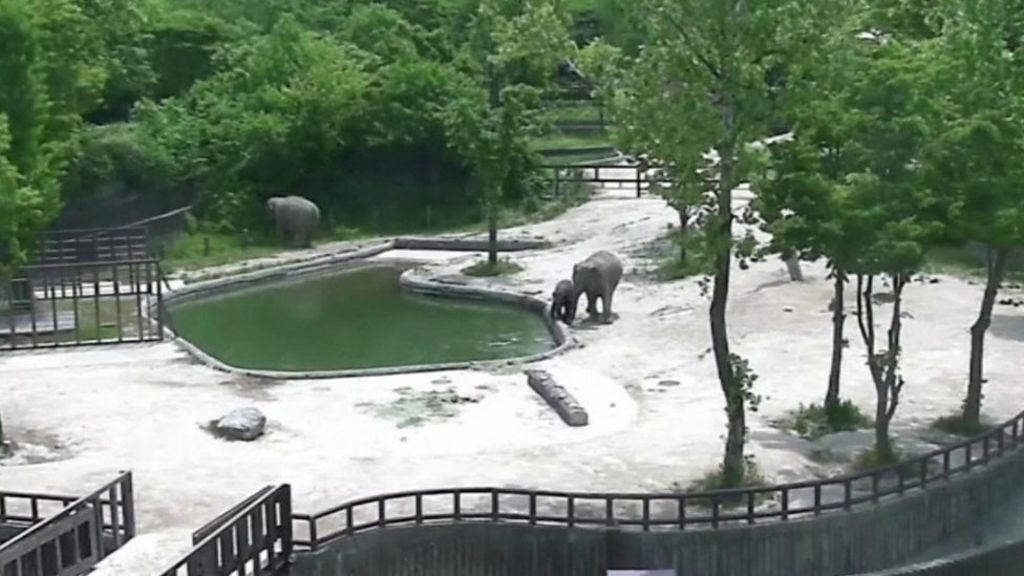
<point>246,424</point>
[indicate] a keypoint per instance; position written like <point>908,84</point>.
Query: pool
<point>353,319</point>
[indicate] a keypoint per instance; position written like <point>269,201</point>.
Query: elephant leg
<point>607,301</point>
<point>591,303</point>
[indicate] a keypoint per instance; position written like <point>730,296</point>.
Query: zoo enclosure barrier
<point>649,511</point>
<point>73,304</point>
<point>252,538</point>
<point>644,177</point>
<point>74,539</point>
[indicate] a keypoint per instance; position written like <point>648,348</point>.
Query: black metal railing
<point>74,304</point>
<point>649,511</point>
<point>72,540</point>
<point>92,245</point>
<point>253,538</point>
<point>634,177</point>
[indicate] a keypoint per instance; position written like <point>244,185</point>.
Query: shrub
<point>504,267</point>
<point>814,421</point>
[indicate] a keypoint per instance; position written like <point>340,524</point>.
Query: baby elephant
<point>563,302</point>
<point>597,277</point>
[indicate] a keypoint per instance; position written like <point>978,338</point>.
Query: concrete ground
<point>648,381</point>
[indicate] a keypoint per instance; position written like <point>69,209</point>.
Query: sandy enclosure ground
<point>648,381</point>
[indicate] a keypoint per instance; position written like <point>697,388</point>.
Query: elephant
<point>296,218</point>
<point>597,277</point>
<point>563,302</point>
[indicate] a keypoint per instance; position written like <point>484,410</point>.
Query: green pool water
<point>353,319</point>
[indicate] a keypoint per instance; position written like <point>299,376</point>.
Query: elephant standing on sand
<point>563,302</point>
<point>296,218</point>
<point>597,277</point>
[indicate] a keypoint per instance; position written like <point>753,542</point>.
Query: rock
<point>246,424</point>
<point>668,383</point>
<point>788,308</point>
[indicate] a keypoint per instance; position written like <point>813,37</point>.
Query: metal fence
<point>68,542</point>
<point>92,245</point>
<point>637,177</point>
<point>53,305</point>
<point>647,511</point>
<point>254,538</point>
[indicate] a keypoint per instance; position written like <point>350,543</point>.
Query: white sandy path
<point>140,407</point>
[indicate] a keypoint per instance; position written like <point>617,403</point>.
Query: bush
<point>954,424</point>
<point>871,459</point>
<point>504,267</point>
<point>814,421</point>
<point>753,477</point>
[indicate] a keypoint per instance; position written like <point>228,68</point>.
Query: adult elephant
<point>597,277</point>
<point>296,219</point>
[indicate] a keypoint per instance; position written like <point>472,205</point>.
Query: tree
<point>891,108</point>
<point>804,196</point>
<point>29,166</point>
<point>699,85</point>
<point>511,56</point>
<point>978,158</point>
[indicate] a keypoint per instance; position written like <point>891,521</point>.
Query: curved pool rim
<point>353,260</point>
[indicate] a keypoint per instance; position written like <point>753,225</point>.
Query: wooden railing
<point>647,511</point>
<point>253,538</point>
<point>74,539</point>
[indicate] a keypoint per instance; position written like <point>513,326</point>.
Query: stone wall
<point>866,539</point>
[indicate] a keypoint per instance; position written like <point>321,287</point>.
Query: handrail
<point>678,511</point>
<point>257,539</point>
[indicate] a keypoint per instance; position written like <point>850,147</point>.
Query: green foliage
<point>753,477</point>
<point>814,421</point>
<point>504,267</point>
<point>873,459</point>
<point>955,424</point>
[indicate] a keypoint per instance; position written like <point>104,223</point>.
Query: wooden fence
<point>254,538</point>
<point>71,541</point>
<point>74,304</point>
<point>645,511</point>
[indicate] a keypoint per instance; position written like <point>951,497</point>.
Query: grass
<point>582,112</point>
<point>484,269</point>
<point>959,261</point>
<point>567,141</point>
<point>666,260</point>
<point>202,248</point>
<point>954,424</point>
<point>814,421</point>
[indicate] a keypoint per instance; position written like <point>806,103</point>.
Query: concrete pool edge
<point>563,339</point>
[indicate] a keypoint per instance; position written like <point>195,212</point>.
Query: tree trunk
<point>883,444</point>
<point>838,320</point>
<point>793,267</point>
<point>492,238</point>
<point>996,271</point>
<point>683,230</point>
<point>884,366</point>
<point>733,467</point>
